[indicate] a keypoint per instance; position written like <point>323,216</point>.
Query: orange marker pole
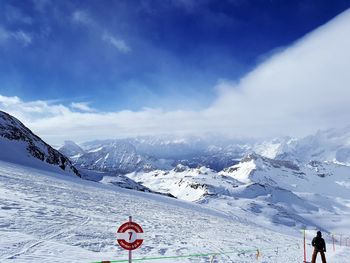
<point>304,246</point>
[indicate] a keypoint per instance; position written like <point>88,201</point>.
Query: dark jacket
<point>319,244</point>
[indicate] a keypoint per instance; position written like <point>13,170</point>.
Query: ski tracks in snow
<point>46,217</point>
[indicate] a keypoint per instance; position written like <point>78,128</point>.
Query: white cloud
<point>82,17</point>
<point>23,37</point>
<point>7,101</point>
<point>82,106</point>
<point>19,36</point>
<point>297,91</point>
<point>115,42</point>
<point>32,110</point>
<point>303,88</point>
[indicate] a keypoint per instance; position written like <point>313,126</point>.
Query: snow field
<point>53,217</point>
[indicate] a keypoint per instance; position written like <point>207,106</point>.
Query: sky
<point>87,70</point>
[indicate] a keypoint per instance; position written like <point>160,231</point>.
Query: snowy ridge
<point>270,191</point>
<point>71,149</point>
<point>151,153</point>
<point>330,145</point>
<point>117,156</point>
<point>317,177</point>
<point>19,145</point>
<point>190,184</point>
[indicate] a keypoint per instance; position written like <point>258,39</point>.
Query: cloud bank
<point>301,89</point>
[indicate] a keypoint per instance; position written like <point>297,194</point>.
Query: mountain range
<point>285,181</point>
<point>149,153</point>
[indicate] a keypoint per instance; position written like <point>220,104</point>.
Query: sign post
<point>130,236</point>
<point>130,253</point>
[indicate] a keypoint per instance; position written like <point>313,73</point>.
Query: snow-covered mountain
<point>148,153</point>
<point>273,148</point>
<point>151,153</point>
<point>117,156</point>
<point>330,145</point>
<point>324,178</point>
<point>284,181</point>
<point>20,145</point>
<point>71,149</point>
<point>275,191</point>
<point>191,184</point>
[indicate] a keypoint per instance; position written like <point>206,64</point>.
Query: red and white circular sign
<point>130,235</point>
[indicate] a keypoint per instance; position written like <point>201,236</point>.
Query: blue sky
<point>87,70</point>
<point>119,55</point>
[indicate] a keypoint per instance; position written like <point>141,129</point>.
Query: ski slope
<point>55,217</point>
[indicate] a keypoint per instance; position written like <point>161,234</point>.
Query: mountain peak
<point>20,145</point>
<point>70,148</point>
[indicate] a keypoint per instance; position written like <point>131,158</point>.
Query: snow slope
<point>19,145</point>
<point>55,218</point>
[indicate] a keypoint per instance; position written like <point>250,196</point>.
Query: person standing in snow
<point>319,246</point>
